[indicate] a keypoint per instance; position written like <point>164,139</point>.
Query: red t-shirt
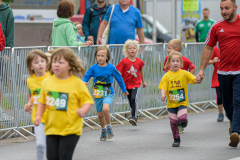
<point>187,64</point>
<point>131,72</point>
<point>2,39</point>
<point>228,36</point>
<point>216,53</point>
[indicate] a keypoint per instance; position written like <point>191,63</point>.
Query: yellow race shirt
<point>175,83</point>
<point>62,99</point>
<point>34,84</point>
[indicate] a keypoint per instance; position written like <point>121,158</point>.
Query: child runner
<point>131,70</point>
<point>173,85</point>
<point>68,100</point>
<point>215,84</point>
<point>176,45</point>
<point>36,63</point>
<point>103,93</point>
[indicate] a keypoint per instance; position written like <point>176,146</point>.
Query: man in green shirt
<point>202,27</point>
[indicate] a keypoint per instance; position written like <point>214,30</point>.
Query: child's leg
<point>172,113</point>
<point>182,115</point>
<point>40,141</point>
<point>67,145</point>
<point>52,146</point>
<point>106,113</point>
<point>133,101</point>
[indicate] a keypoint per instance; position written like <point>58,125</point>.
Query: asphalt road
<point>204,139</point>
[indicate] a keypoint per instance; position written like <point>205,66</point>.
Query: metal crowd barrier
<point>14,90</point>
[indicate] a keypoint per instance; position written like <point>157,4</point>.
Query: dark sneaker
<point>103,136</point>
<point>133,121</point>
<point>220,117</point>
<point>110,134</point>
<point>234,138</point>
<point>176,142</point>
<point>230,128</point>
<point>181,129</point>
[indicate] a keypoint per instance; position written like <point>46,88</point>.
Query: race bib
<point>176,96</point>
<point>100,91</point>
<point>57,100</point>
<point>35,96</point>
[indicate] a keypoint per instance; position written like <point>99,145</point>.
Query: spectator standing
<point>93,17</point>
<point>7,21</point>
<point>226,32</point>
<point>64,32</point>
<point>125,19</point>
<point>203,26</point>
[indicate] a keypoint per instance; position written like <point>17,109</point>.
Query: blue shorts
<point>100,101</point>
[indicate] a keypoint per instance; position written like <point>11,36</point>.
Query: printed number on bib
<point>35,96</point>
<point>100,91</point>
<point>57,100</point>
<point>176,96</point>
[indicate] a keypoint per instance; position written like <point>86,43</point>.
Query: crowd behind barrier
<point>14,89</point>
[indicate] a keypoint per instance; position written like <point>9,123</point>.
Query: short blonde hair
<point>170,57</point>
<point>176,43</point>
<point>31,57</point>
<point>68,54</point>
<point>103,47</point>
<point>125,47</point>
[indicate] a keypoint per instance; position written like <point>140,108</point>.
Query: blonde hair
<point>176,43</point>
<point>170,57</point>
<point>103,47</point>
<point>50,52</point>
<point>125,47</point>
<point>76,23</point>
<point>31,57</point>
<point>68,54</point>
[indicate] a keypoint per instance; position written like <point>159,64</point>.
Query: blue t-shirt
<point>105,74</point>
<point>123,25</point>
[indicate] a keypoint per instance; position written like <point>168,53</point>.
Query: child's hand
<point>81,112</point>
<point>85,83</point>
<point>126,93</point>
<point>163,97</point>
<point>215,59</point>
<point>37,120</point>
<point>144,85</point>
<point>90,38</point>
<point>28,107</point>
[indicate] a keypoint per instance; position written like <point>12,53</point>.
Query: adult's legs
<point>40,141</point>
<point>226,87</point>
<point>236,105</point>
<point>67,145</point>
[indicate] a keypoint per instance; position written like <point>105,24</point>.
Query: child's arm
<point>28,106</point>
<point>88,75</point>
<point>40,110</point>
<point>84,110</point>
<point>215,59</point>
<point>163,94</point>
<point>120,81</point>
<point>193,70</point>
<point>143,81</point>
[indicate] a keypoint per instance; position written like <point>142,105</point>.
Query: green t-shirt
<point>202,28</point>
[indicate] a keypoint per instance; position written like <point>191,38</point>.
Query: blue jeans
<point>230,89</point>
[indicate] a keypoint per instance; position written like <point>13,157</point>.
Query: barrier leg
<point>87,125</point>
<point>116,119</point>
<point>145,115</point>
<point>150,114</point>
<point>93,122</point>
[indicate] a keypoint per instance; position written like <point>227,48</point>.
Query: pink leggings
<point>175,115</point>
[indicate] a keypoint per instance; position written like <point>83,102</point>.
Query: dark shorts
<point>218,96</point>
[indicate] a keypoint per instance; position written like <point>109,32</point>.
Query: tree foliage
<point>8,1</point>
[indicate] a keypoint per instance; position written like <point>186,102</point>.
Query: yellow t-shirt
<point>34,84</point>
<point>175,83</point>
<point>62,99</point>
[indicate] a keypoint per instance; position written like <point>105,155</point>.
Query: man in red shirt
<point>2,39</point>
<point>227,32</point>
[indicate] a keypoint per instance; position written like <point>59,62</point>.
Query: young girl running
<point>103,93</point>
<point>36,63</point>
<point>131,70</point>
<point>174,86</point>
<point>68,100</point>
